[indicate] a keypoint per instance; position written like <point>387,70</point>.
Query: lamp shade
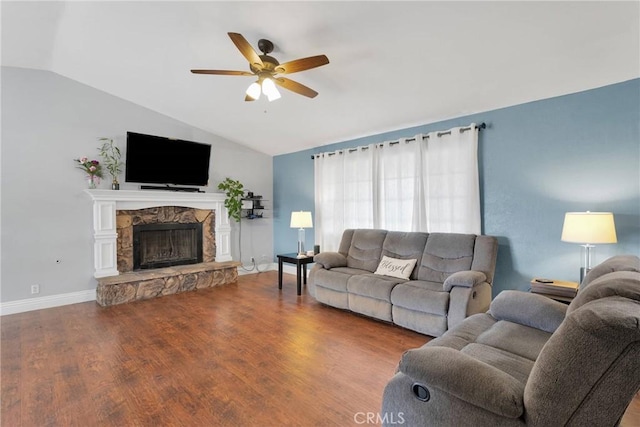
<point>589,227</point>
<point>301,220</point>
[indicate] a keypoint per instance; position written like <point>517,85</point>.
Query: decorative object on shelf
<point>234,190</point>
<point>588,228</point>
<point>301,220</point>
<point>252,205</point>
<point>111,155</point>
<point>92,168</point>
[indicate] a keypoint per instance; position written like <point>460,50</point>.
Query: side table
<point>301,268</point>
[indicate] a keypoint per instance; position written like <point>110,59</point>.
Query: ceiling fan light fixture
<point>253,91</point>
<point>270,90</point>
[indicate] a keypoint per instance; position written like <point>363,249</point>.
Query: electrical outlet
<point>35,289</point>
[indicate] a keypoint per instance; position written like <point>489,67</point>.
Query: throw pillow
<point>400,268</point>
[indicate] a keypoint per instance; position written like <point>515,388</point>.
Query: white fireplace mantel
<point>107,202</point>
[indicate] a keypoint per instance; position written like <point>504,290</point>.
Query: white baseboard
<point>289,269</point>
<point>30,304</point>
<point>267,267</point>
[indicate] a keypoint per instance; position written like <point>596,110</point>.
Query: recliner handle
<point>421,392</point>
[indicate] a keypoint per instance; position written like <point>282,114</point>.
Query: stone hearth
<point>142,285</point>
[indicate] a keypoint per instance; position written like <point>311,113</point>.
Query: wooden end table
<point>301,267</point>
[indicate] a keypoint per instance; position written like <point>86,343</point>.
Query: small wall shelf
<point>252,207</point>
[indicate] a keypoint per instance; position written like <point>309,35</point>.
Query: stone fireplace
<point>164,236</point>
<point>168,217</point>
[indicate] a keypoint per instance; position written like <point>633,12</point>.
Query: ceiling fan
<point>268,69</point>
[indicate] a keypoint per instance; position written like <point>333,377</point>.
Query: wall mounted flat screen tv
<point>159,160</point>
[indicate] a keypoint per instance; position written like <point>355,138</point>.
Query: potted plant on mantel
<point>111,155</point>
<point>234,190</point>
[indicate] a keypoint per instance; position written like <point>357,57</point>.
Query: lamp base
<point>583,273</point>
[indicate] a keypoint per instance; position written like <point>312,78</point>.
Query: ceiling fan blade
<point>295,87</point>
<point>302,64</point>
<point>223,72</point>
<point>246,50</point>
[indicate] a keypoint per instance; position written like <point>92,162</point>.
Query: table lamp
<point>301,220</point>
<point>588,228</point>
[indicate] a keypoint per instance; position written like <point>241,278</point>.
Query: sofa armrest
<point>528,309</point>
<point>330,260</point>
<point>467,279</point>
<point>466,378</point>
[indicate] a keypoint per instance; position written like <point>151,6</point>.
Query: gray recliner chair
<point>530,361</point>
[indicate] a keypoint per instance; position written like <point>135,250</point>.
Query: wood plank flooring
<point>243,354</point>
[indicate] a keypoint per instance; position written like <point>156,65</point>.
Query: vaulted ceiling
<point>392,64</point>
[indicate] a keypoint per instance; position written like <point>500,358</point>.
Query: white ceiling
<point>393,64</point>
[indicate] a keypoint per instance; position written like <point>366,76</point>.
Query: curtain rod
<point>480,126</point>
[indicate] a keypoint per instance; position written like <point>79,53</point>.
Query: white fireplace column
<point>107,202</point>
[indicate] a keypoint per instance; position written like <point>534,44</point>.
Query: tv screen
<point>158,160</point>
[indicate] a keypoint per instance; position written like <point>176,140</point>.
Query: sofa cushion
<point>444,254</point>
<point>335,278</point>
<point>366,249</point>
<point>405,245</point>
<point>421,296</point>
<point>517,366</point>
<point>514,338</point>
<point>466,332</point>
<point>372,286</point>
<point>394,267</point>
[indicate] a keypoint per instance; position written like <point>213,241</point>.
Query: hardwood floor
<point>240,354</point>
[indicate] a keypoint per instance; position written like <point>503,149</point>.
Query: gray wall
<point>537,161</point>
<point>46,219</point>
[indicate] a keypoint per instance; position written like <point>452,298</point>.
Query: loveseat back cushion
<point>444,254</point>
<point>405,245</point>
<point>589,370</point>
<point>618,283</point>
<point>345,242</point>
<point>365,250</point>
<point>485,254</point>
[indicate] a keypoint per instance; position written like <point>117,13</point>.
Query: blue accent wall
<point>538,160</point>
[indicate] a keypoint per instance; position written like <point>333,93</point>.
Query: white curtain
<point>451,182</point>
<point>344,191</point>
<point>427,183</point>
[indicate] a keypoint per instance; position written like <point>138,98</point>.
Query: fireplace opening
<point>167,244</point>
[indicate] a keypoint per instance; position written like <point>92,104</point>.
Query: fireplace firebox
<point>166,244</point>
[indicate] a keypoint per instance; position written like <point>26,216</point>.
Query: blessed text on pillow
<point>400,268</point>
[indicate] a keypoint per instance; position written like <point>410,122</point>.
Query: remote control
<point>544,281</point>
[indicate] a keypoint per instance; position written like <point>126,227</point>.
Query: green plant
<point>111,155</point>
<point>234,190</point>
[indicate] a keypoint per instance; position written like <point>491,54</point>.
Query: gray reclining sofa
<point>450,281</point>
<point>530,361</point>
